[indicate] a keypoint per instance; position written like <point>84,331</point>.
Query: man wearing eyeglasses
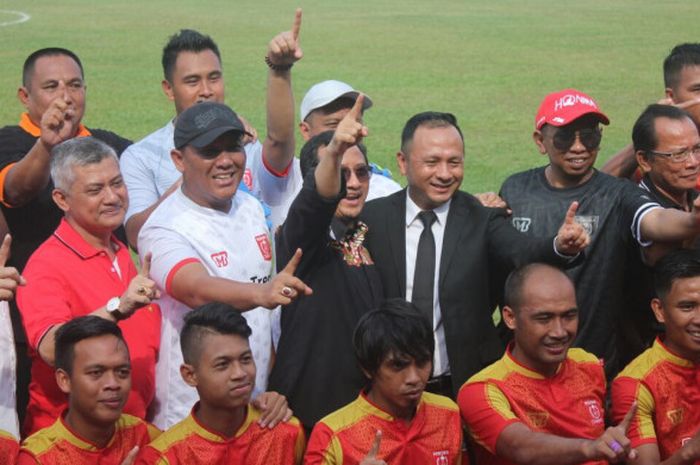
<point>617,214</point>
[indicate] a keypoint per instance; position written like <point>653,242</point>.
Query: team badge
<point>594,411</point>
<point>441,457</point>
<point>675,416</point>
<point>589,223</point>
<point>248,179</point>
<point>522,224</point>
<point>264,246</point>
<point>538,419</point>
<point>220,258</point>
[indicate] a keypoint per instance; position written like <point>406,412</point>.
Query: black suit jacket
<point>478,244</point>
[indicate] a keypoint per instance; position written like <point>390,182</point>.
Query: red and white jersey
<point>234,245</point>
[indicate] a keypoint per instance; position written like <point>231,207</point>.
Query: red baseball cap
<point>563,107</point>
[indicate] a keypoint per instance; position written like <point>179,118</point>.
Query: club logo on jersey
<point>264,246</point>
<point>441,457</point>
<point>522,224</point>
<point>220,258</point>
<point>684,440</point>
<point>538,419</point>
<point>248,179</point>
<point>589,223</point>
<point>594,411</point>
<point>675,416</point>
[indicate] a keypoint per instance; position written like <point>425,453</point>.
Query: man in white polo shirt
<point>210,243</point>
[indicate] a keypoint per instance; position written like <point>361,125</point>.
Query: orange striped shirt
<point>667,390</point>
<point>568,404</point>
<point>434,436</point>
<point>191,443</point>
<point>57,444</point>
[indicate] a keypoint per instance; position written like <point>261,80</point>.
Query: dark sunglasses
<point>564,138</point>
<point>362,172</point>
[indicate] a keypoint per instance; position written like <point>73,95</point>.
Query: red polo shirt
<point>66,278</point>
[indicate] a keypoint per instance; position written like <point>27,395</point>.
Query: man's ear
<point>63,380</point>
<point>23,96</point>
<point>178,160</point>
<point>509,317</point>
<point>402,161</point>
<point>538,138</point>
<point>59,198</point>
<point>305,130</point>
<point>658,308</point>
<point>168,89</point>
<point>188,374</point>
<point>670,94</point>
<point>643,161</point>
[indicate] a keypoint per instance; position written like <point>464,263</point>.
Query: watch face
<point>113,304</point>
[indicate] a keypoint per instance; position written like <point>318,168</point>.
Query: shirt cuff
<point>565,257</point>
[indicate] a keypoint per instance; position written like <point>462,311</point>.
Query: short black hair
<point>396,327</point>
<point>28,68</point>
<point>515,283</point>
<point>681,56</point>
<point>678,264</point>
<point>431,119</point>
<point>210,318</point>
<point>185,40</point>
<point>644,135</point>
<point>76,330</point>
<point>308,157</point>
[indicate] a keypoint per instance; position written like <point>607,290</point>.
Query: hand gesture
<point>9,276</point>
<point>141,291</point>
<point>350,130</point>
<point>284,48</point>
<point>492,200</point>
<point>273,408</point>
<point>613,444</point>
<point>371,457</point>
<point>252,135</point>
<point>284,287</point>
<point>572,238</point>
<point>131,456</point>
<point>57,123</point>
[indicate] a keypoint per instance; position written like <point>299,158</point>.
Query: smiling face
<point>356,171</point>
<point>197,77</point>
<point>433,165</point>
<point>679,310</point>
<point>687,90</point>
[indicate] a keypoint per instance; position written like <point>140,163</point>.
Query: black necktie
<point>424,276</point>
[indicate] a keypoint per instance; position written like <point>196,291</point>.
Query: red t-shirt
<point>9,447</point>
<point>346,435</point>
<point>58,444</point>
<point>667,390</point>
<point>191,443</point>
<point>568,404</point>
<point>66,278</point>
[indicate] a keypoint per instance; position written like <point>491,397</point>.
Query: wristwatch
<point>113,308</point>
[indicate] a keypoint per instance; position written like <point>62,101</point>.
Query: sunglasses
<point>564,138</point>
<point>361,172</point>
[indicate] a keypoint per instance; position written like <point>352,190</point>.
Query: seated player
<point>93,368</point>
<point>223,426</point>
<point>663,380</point>
<point>394,347</point>
<point>542,403</point>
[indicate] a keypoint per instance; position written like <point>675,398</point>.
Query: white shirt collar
<point>412,211</point>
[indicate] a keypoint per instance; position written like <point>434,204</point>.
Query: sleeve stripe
<point>173,272</point>
<point>636,225</point>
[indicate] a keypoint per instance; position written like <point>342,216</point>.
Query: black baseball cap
<point>202,123</point>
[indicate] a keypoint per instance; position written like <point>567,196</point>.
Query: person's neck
<point>224,207</point>
<point>680,198</point>
<point>680,351</point>
<point>403,414</point>
<point>101,240</point>
<point>223,421</point>
<point>98,434</point>
<point>562,181</point>
<point>545,369</point>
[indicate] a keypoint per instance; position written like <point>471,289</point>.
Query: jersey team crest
<point>264,246</point>
<point>220,258</point>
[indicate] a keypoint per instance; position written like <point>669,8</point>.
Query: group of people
<point>279,317</point>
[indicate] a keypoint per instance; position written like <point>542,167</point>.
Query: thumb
<point>131,456</point>
<point>5,249</point>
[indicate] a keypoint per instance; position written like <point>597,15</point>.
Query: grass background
<point>489,62</point>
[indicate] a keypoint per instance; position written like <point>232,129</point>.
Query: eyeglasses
<point>361,172</point>
<point>680,156</point>
<point>564,138</point>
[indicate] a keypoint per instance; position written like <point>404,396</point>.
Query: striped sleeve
<point>625,391</point>
<point>299,446</point>
<point>323,448</point>
<point>486,412</point>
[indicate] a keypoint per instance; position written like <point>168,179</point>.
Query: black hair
<point>431,119</point>
<point>76,330</point>
<point>28,68</point>
<point>515,283</point>
<point>678,264</point>
<point>644,135</point>
<point>681,56</point>
<point>210,318</point>
<point>396,327</point>
<point>185,40</point>
<point>308,157</point>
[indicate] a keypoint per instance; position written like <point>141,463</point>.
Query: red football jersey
<point>9,447</point>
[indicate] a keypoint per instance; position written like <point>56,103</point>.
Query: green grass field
<point>489,62</point>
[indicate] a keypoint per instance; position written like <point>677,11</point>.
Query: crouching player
<point>223,426</point>
<point>665,380</point>
<point>93,368</point>
<point>393,420</point>
<point>542,403</point>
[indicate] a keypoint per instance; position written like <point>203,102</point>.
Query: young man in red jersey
<point>664,380</point>
<point>94,370</point>
<point>394,347</point>
<point>223,426</point>
<point>542,403</point>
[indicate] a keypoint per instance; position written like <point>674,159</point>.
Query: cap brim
<point>603,119</point>
<point>208,137</point>
<point>353,94</point>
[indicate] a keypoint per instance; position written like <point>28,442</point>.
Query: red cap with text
<point>563,107</point>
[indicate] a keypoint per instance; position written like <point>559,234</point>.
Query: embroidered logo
<point>220,258</point>
<point>675,416</point>
<point>248,179</point>
<point>441,457</point>
<point>264,246</point>
<point>589,223</point>
<point>538,419</point>
<point>522,224</point>
<point>594,411</point>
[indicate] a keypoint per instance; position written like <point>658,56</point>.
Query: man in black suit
<point>465,246</point>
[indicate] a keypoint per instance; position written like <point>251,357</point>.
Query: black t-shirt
<point>610,209</point>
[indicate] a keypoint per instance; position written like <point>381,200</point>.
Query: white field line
<point>21,17</point>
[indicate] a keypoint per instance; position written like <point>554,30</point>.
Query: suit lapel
<point>396,228</point>
<point>457,221</point>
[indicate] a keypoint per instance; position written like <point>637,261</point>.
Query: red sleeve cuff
<point>173,272</point>
<point>279,174</point>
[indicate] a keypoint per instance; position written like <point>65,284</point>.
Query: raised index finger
<point>146,266</point>
<point>296,26</point>
<point>293,263</point>
<point>5,249</point>
<point>625,423</point>
<point>356,110</point>
<point>571,213</point>
<point>374,450</point>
